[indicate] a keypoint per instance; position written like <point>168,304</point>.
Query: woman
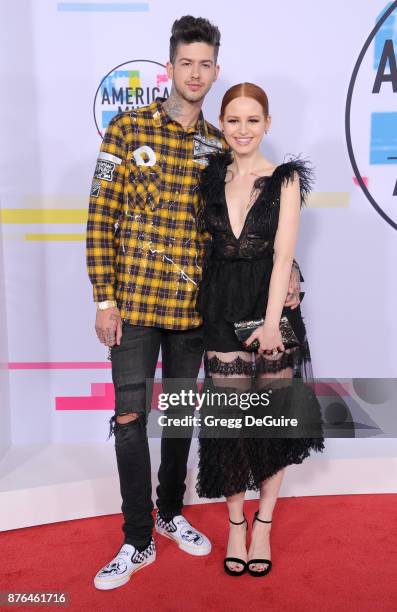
<point>251,211</point>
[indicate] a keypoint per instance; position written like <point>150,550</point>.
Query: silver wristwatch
<point>106,304</point>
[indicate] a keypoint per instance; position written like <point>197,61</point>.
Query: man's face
<point>193,71</point>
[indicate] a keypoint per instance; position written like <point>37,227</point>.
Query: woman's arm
<point>268,334</point>
<point>284,250</point>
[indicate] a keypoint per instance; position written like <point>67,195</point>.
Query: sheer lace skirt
<point>232,460</point>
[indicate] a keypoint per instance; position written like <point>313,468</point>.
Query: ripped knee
<point>121,420</point>
<point>127,418</point>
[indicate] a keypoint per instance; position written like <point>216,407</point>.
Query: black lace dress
<point>235,287</point>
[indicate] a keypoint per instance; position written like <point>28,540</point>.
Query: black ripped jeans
<point>133,362</point>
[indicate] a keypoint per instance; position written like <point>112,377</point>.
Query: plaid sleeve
<point>106,203</point>
<point>298,270</point>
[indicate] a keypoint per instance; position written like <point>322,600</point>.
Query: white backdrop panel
<point>303,55</point>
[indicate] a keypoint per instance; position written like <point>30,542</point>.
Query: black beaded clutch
<point>243,330</point>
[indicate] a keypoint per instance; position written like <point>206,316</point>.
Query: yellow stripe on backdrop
<point>329,199</point>
<point>43,215</point>
<point>55,237</point>
<point>47,215</point>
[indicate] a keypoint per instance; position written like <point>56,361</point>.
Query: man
<point>144,256</point>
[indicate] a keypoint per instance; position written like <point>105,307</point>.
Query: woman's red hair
<point>246,90</point>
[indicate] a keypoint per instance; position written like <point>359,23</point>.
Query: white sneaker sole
<point>191,549</point>
<point>108,584</point>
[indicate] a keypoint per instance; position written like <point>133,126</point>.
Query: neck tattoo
<point>173,106</point>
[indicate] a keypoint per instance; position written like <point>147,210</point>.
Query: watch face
<point>106,305</point>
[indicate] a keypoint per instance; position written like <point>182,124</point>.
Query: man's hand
<point>108,326</point>
<point>292,300</point>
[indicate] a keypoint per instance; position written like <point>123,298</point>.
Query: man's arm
<point>105,207</point>
<point>106,204</point>
<point>293,295</point>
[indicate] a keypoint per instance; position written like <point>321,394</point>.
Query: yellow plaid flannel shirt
<point>145,248</point>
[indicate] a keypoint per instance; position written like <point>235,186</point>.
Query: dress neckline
<point>260,178</point>
<point>237,238</point>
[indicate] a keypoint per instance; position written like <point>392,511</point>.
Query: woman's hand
<point>269,339</point>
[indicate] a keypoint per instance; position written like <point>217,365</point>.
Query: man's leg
<point>133,362</point>
<point>181,357</point>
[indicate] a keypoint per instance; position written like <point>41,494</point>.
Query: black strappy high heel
<point>259,561</point>
<point>235,559</point>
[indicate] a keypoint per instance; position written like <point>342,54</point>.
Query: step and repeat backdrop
<point>331,76</point>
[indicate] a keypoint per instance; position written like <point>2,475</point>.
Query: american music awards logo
<point>371,116</point>
<point>129,86</point>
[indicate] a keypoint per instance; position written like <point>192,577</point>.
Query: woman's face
<point>244,125</point>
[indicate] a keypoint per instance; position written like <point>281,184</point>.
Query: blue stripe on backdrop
<point>383,146</point>
<point>388,30</point>
<point>103,7</point>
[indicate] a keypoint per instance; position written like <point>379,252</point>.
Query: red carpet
<point>330,553</point>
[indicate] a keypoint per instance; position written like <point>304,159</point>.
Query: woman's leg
<point>236,545</point>
<point>233,370</point>
<point>260,540</point>
<point>270,370</point>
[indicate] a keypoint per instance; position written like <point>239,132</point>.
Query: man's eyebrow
<point>189,59</point>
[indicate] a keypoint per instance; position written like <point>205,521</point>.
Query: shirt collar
<point>161,117</point>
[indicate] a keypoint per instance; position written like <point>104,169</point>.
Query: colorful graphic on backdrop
<point>129,86</point>
<point>372,143</point>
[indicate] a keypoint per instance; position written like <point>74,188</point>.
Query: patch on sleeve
<point>95,188</point>
<point>203,146</point>
<point>109,157</point>
<point>104,170</point>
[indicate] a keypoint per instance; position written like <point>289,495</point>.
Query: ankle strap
<point>243,521</point>
<point>256,518</point>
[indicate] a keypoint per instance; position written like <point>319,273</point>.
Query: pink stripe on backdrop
<point>101,398</point>
<point>323,389</point>
<point>61,365</point>
<point>365,180</point>
<point>84,403</point>
<point>98,389</point>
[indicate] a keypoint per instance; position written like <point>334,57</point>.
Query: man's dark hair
<point>190,29</point>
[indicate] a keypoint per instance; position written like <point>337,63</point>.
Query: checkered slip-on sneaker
<point>120,569</point>
<point>180,530</point>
